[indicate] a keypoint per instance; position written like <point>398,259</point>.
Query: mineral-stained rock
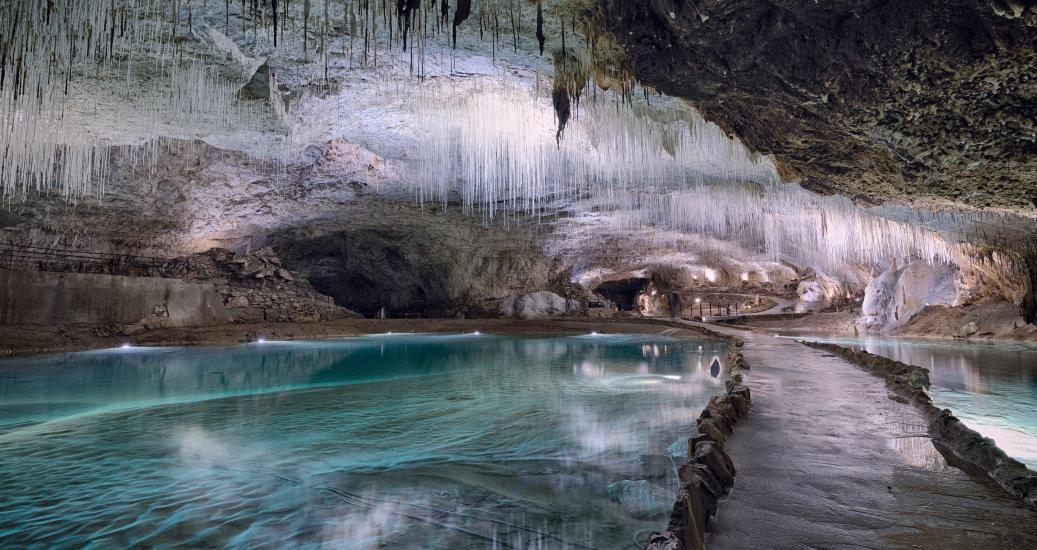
<point>698,473</point>
<point>868,98</point>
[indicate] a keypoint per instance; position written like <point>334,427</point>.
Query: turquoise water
<point>991,386</point>
<point>394,441</point>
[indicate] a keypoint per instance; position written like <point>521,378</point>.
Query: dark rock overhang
<point>872,99</point>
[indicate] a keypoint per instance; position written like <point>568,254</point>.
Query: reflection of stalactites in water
<point>714,368</point>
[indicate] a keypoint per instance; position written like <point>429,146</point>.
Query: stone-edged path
<point>827,460</point>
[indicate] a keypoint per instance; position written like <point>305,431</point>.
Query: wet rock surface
<point>827,460</point>
<point>866,98</point>
<point>963,446</point>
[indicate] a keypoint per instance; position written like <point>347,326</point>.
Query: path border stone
<point>709,473</point>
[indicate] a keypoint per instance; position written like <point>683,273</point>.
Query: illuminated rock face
<point>895,296</point>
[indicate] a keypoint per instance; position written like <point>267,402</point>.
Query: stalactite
<point>43,46</point>
<point>305,29</point>
<point>540,26</point>
<point>352,34</point>
<point>405,10</point>
<point>514,25</point>
<point>461,14</point>
<point>273,16</point>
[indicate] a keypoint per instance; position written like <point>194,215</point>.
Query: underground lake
<point>392,440</point>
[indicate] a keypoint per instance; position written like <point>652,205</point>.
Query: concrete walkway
<point>827,460</point>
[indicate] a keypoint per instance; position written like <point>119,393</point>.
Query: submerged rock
<point>678,449</point>
<point>661,466</point>
<point>641,498</point>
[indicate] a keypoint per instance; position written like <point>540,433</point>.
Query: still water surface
<point>991,386</point>
<point>398,441</point>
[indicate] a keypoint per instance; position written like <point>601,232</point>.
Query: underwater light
<point>477,333</point>
<point>261,340</point>
<point>126,346</point>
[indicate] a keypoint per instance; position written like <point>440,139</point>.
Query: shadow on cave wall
<point>623,292</point>
<point>367,269</point>
<point>1029,305</point>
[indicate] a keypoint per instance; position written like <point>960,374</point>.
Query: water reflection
<point>404,441</point>
<point>991,386</point>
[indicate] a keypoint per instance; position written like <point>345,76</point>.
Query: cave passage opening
<point>623,292</point>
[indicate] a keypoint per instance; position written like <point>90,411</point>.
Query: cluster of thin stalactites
<point>81,76</point>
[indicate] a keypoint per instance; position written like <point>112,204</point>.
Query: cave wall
<point>623,292</point>
<point>424,264</point>
<point>46,298</point>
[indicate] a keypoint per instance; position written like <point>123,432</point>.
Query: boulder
<point>535,305</point>
<point>968,330</point>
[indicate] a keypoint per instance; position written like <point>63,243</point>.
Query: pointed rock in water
<point>678,449</point>
<point>258,87</point>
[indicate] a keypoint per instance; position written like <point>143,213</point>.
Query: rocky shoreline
<point>709,473</point>
<point>962,446</point>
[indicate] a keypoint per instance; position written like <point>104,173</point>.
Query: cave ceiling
<point>700,133</point>
<point>876,100</point>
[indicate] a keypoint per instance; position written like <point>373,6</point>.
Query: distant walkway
<point>827,460</point>
<point>782,305</point>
